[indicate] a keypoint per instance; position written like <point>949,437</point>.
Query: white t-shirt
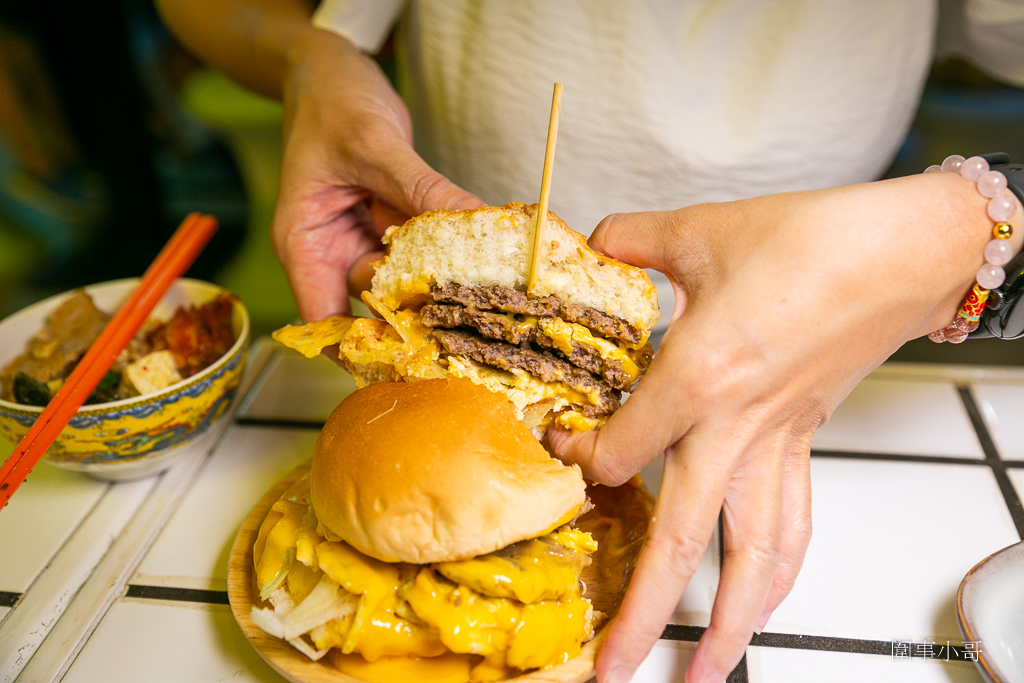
<point>669,103</point>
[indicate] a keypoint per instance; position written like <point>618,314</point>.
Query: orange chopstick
<point>173,260</point>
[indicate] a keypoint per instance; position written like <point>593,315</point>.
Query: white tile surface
<point>901,416</point>
<point>34,524</point>
<point>694,607</point>
<point>3,613</point>
<point>1002,405</point>
<point>892,541</point>
<point>157,643</point>
<point>192,550</point>
<point>61,580</point>
<point>294,387</point>
<point>666,663</point>
<point>780,665</point>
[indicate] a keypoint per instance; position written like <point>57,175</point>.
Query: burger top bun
<point>493,245</point>
<point>435,471</point>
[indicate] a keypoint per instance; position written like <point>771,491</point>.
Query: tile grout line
<point>792,641</point>
<point>672,632</point>
<point>173,594</point>
<point>278,423</point>
<point>898,457</point>
<point>992,458</point>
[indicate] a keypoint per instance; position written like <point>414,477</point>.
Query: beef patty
<point>542,364</point>
<point>514,301</point>
<point>499,326</point>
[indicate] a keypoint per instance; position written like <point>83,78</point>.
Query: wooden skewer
<point>545,187</point>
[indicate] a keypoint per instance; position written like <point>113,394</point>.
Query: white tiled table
<point>916,479</point>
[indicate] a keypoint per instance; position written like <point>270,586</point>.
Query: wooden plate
<point>606,578</point>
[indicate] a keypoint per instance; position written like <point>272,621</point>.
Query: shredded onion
<point>266,620</point>
<point>306,649</point>
<point>327,601</point>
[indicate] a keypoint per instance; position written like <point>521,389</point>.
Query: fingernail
<point>621,674</point>
<point>716,677</point>
<point>763,619</point>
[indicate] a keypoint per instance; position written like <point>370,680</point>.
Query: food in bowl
<point>136,436</point>
<point>162,353</point>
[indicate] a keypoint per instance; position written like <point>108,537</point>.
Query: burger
<point>434,539</point>
<point>452,296</point>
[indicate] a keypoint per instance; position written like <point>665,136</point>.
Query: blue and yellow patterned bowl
<point>137,436</point>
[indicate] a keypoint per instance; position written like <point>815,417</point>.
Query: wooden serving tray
<point>605,578</point>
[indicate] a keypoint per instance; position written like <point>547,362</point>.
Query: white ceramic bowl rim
<point>966,609</point>
<point>99,408</point>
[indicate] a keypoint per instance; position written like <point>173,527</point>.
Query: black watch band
<point>1003,316</point>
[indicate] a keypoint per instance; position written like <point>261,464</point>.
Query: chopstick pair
<point>173,260</point>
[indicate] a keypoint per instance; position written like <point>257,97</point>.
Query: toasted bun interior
<point>434,471</point>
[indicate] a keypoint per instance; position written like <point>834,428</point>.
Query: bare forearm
<point>249,40</point>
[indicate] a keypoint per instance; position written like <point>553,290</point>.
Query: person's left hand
<point>783,304</point>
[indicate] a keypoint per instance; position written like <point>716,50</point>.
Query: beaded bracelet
<point>998,251</point>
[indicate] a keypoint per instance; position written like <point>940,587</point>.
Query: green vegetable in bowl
<point>106,390</point>
<point>30,392</point>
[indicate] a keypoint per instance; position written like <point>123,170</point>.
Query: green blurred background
<point>111,132</point>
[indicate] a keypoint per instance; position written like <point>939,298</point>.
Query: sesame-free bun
<point>434,471</point>
<point>491,246</point>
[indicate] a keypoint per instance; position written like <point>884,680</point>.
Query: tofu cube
<point>149,374</point>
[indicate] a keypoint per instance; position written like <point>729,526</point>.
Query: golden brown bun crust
<point>435,471</point>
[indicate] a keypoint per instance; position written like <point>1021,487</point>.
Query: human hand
<point>783,303</point>
<point>348,172</point>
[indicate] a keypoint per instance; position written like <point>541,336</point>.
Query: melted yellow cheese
<point>308,539</point>
<point>310,339</point>
<point>525,324</point>
<point>549,633</point>
<point>468,622</point>
<point>406,323</point>
<point>301,580</point>
<point>377,582</point>
<point>448,668</point>
<point>575,422</point>
<point>269,522</point>
<point>575,539</point>
<point>333,633</point>
<point>386,634</point>
<point>530,571</point>
<point>563,334</point>
<point>279,548</point>
<point>522,388</point>
<point>492,669</point>
<point>546,568</point>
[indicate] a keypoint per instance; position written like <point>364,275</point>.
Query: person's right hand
<point>348,172</point>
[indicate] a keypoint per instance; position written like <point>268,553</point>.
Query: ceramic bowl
<point>138,436</point>
<point>990,610</point>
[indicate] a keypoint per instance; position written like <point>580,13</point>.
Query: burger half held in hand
<point>452,294</point>
<point>434,539</point>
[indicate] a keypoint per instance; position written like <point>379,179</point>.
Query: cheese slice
<point>564,334</point>
<point>404,349</point>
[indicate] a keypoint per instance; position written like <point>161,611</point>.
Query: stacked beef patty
<point>502,328</point>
